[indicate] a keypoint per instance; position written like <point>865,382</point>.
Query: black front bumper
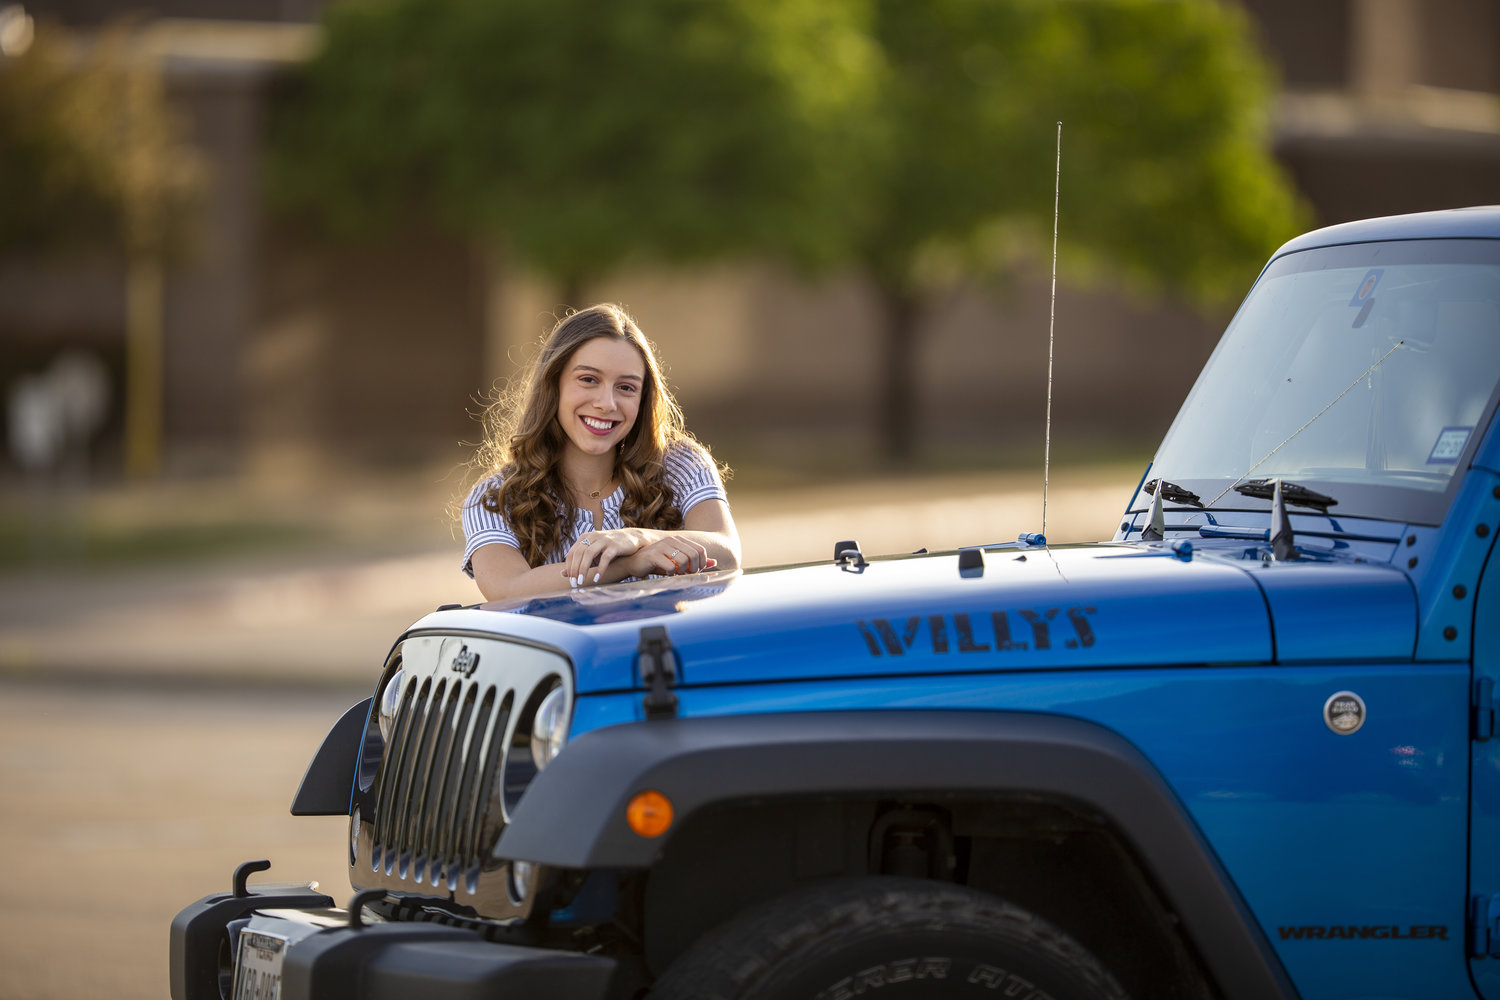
<point>328,957</point>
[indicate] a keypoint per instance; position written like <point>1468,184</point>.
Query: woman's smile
<point>599,425</point>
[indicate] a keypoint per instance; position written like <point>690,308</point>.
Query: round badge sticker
<point>1344,712</point>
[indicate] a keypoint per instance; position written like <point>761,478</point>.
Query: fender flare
<point>573,813</point>
<point>328,784</point>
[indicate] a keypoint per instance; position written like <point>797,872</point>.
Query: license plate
<point>257,970</point>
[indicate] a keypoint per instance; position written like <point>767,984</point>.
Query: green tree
<point>54,167</point>
<point>1167,180</point>
<point>91,156</point>
<point>913,140</point>
<point>577,135</point>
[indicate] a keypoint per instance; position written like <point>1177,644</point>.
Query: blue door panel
<point>1363,832</point>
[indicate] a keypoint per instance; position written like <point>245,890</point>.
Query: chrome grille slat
<point>421,779</point>
<point>382,854</point>
<point>482,804</point>
<point>431,805</point>
<point>398,848</point>
<point>464,798</point>
<point>443,861</point>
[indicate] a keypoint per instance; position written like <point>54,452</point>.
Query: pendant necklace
<point>593,494</point>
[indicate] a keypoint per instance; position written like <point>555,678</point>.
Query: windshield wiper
<point>1173,492</point>
<point>1265,489</point>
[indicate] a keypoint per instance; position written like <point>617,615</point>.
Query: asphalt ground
<point>326,615</point>
<point>123,806</point>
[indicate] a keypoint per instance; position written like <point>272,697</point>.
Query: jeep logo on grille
<point>465,662</point>
<point>1344,712</point>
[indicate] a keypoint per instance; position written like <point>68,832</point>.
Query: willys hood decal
<point>1059,608</point>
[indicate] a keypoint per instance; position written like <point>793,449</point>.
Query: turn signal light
<point>649,813</point>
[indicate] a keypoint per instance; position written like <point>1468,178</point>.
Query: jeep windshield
<point>1366,372</point>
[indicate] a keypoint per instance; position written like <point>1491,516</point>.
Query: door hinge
<point>658,667</point>
<point>1483,710</point>
<point>1484,926</point>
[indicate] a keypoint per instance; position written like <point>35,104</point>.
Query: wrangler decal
<point>1335,932</point>
<point>894,637</point>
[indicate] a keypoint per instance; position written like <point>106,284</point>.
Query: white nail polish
<point>596,577</point>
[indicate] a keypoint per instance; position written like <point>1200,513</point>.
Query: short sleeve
<point>692,475</point>
<point>483,526</point>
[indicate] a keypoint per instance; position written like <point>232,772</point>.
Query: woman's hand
<point>671,555</point>
<point>609,556</point>
<point>589,558</point>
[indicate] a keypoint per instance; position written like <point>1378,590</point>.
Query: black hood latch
<point>658,666</point>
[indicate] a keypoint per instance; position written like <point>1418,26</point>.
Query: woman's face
<point>599,394</point>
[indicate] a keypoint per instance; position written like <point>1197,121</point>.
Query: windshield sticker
<point>1450,445</point>
<point>893,637</point>
<point>1367,286</point>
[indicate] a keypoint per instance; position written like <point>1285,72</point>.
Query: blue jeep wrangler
<point>1246,749</point>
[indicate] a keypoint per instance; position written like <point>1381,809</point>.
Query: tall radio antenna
<point>1051,327</point>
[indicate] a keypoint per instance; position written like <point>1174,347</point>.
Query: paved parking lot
<point>329,617</point>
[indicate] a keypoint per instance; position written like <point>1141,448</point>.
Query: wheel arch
<point>573,815</point>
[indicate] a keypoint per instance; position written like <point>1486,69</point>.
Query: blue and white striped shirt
<point>690,474</point>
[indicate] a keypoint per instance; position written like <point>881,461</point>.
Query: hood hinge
<point>1484,926</point>
<point>658,666</point>
<point>1482,712</point>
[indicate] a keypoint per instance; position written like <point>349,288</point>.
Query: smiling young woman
<point>592,478</point>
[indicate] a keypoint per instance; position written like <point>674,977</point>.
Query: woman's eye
<point>627,387</point>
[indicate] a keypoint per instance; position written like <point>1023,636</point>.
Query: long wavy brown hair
<point>523,442</point>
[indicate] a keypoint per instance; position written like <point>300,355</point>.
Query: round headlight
<point>549,730</point>
<point>521,873</point>
<point>390,702</point>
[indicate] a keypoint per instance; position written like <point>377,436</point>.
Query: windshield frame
<point>1384,501</point>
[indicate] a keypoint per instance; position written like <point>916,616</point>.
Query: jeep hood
<point>1058,608</point>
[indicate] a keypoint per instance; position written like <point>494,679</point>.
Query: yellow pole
<point>143,364</point>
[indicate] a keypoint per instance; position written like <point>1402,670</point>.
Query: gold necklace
<point>593,494</point>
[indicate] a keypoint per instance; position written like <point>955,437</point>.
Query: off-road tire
<point>886,939</point>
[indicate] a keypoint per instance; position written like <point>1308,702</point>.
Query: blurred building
<point>1387,106</point>
<point>283,355</point>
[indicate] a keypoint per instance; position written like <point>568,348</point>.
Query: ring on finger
<point>586,541</point>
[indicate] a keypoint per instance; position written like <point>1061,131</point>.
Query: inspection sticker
<point>1367,286</point>
<point>1450,445</point>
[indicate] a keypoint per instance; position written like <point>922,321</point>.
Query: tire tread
<point>730,961</point>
